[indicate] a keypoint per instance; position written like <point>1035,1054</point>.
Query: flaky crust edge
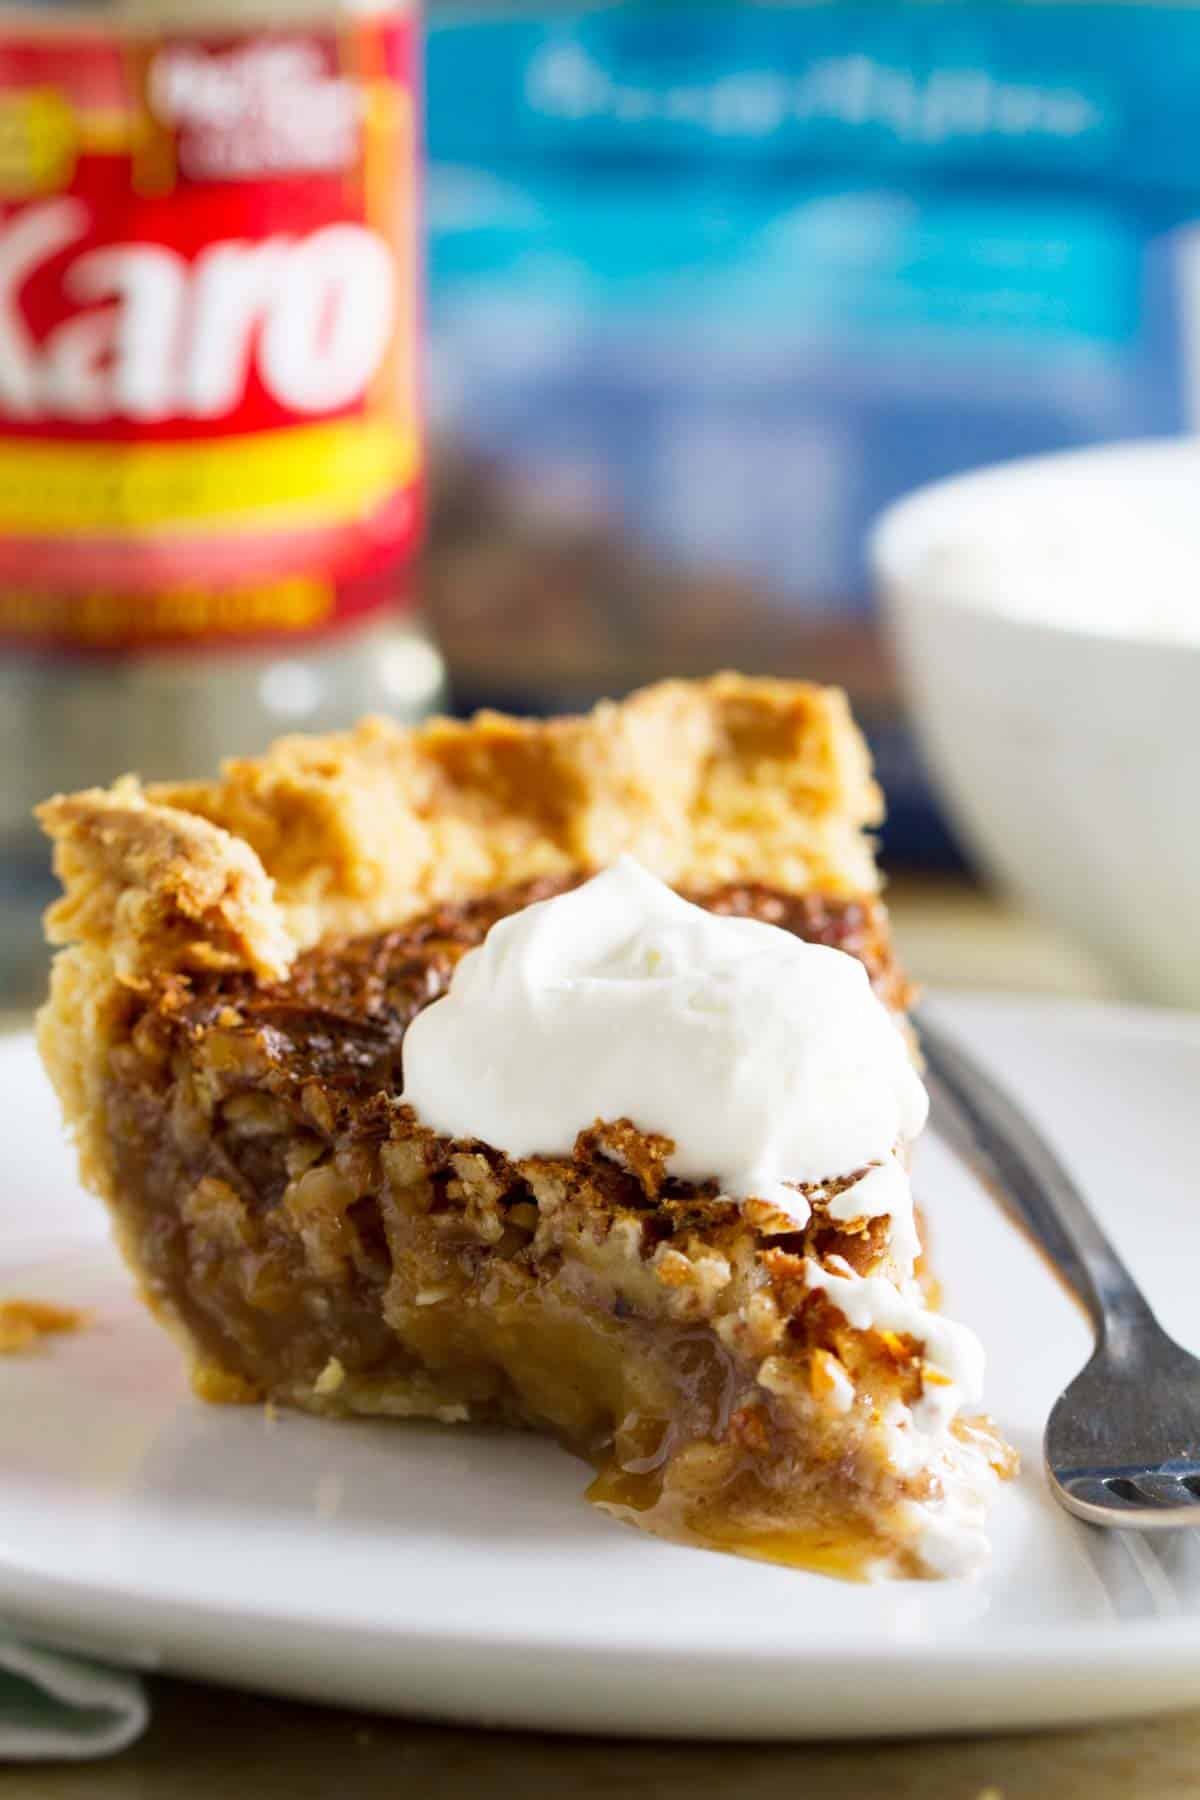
<point>733,778</point>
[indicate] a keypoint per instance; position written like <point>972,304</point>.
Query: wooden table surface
<point>206,1741</point>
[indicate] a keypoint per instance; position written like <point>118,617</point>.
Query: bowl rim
<point>894,537</point>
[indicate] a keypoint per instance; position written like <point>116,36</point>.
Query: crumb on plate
<point>23,1323</point>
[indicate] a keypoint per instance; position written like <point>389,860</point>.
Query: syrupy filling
<point>341,1014</point>
<point>320,1247</point>
<point>236,1107</point>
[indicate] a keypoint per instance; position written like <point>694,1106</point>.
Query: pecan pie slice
<point>226,1031</point>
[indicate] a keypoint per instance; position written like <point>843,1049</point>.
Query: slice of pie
<point>522,1226</point>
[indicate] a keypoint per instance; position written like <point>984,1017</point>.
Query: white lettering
<point>149,284</point>
<point>325,336</point>
<point>233,288</point>
<point>76,377</point>
<point>262,107</point>
<point>28,241</point>
<point>158,337</point>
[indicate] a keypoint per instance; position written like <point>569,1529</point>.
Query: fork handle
<point>1002,1142</point>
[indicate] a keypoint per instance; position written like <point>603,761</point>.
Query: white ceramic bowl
<point>1046,614</point>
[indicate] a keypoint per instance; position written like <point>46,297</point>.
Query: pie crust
<point>225,1027</point>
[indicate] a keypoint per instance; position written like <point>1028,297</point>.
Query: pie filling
<point>319,1246</point>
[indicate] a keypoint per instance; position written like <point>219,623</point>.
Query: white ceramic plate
<point>460,1574</point>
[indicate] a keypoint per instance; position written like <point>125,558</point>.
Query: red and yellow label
<point>208,384</point>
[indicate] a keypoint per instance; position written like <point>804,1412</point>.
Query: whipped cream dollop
<point>766,1060</point>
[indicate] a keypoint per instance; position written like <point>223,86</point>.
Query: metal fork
<point>1122,1444</point>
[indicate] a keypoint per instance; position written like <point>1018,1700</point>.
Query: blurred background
<point>707,286</point>
<point>711,284</point>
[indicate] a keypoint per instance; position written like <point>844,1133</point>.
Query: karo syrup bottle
<point>210,447</point>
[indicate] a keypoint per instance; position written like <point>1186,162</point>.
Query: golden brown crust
<point>728,779</point>
<point>159,888</point>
